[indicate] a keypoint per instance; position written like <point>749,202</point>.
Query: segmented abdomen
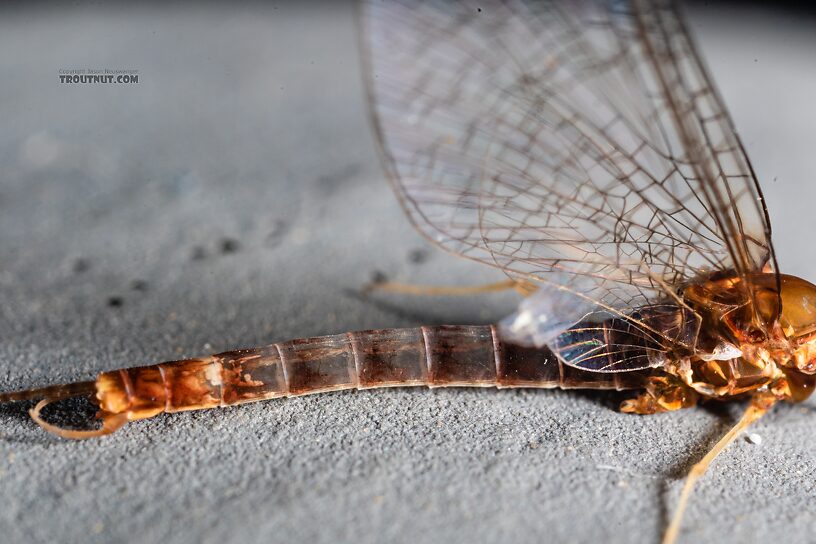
<point>472,356</point>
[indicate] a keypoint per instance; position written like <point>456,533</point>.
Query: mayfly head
<point>797,320</point>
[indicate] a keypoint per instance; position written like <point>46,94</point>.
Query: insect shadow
<point>399,311</point>
<point>75,412</point>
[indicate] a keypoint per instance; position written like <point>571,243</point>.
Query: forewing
<point>578,144</point>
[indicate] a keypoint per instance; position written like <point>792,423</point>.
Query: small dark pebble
<point>115,302</point>
<point>378,276</point>
<point>228,245</point>
<point>418,256</point>
<point>199,253</point>
<point>138,285</point>
<point>81,265</point>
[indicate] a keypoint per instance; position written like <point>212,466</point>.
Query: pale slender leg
<point>753,413</point>
<point>524,288</point>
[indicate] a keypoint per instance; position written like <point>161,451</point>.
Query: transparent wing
<point>580,144</point>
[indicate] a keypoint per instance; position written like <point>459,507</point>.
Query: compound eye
<point>798,307</point>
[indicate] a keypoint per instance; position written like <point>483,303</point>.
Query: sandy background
<point>233,198</point>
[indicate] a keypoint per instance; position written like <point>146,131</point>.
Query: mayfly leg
<point>522,287</point>
<point>754,412</point>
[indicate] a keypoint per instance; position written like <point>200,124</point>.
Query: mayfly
<point>581,148</point>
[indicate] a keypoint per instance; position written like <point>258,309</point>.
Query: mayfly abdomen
<point>468,356</point>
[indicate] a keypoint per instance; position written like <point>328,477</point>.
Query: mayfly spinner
<point>582,148</point>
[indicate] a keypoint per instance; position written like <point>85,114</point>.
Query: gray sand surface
<point>234,198</point>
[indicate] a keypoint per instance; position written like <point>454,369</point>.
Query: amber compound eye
<point>798,316</point>
<point>801,384</point>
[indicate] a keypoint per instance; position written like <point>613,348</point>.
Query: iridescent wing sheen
<point>579,144</point>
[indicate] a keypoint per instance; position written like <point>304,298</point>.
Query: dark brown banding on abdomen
<point>521,366</point>
<point>390,357</point>
<point>442,356</point>
<point>460,356</point>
